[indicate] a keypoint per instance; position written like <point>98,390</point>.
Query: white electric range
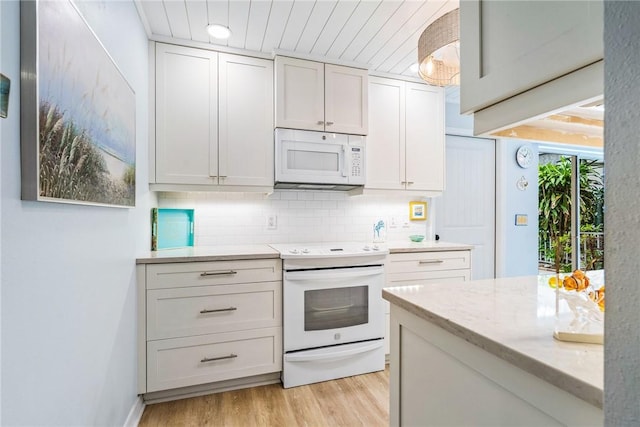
<point>333,312</point>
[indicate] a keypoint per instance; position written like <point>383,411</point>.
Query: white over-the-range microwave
<point>308,160</point>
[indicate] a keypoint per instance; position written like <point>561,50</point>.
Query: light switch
<point>522,219</point>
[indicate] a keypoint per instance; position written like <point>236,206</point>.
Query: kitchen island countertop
<point>209,253</point>
<point>513,319</point>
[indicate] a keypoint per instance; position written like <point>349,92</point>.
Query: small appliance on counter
<point>171,228</point>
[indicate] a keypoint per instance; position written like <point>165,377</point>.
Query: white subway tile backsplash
<point>302,216</point>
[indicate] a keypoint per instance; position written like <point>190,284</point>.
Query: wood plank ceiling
<point>381,35</point>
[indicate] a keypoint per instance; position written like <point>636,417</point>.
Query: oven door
<point>332,306</point>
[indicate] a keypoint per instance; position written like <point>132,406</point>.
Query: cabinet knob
<point>320,122</point>
<point>409,182</point>
<point>329,123</point>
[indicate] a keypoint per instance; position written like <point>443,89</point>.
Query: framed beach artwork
<point>417,211</point>
<point>78,112</point>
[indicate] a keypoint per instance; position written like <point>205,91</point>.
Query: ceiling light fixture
<point>439,51</point>
<point>218,31</point>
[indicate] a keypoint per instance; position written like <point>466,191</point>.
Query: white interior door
<point>465,213</point>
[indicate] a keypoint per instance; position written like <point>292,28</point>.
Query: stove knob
<point>305,251</point>
<point>293,251</point>
<point>376,248</point>
<point>366,248</point>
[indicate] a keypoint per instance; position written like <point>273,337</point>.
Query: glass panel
<point>591,214</point>
<point>555,209</point>
<point>336,308</point>
<point>554,212</point>
<point>313,160</point>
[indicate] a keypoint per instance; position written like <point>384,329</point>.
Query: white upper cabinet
<point>345,99</point>
<point>405,145</point>
<point>245,121</point>
<point>425,137</point>
<point>323,97</point>
<point>386,139</point>
<point>186,146</point>
<point>522,59</point>
<point>214,121</point>
<point>300,94</point>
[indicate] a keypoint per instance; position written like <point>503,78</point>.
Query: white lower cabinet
<point>182,362</point>
<point>417,268</point>
<point>205,322</point>
<point>439,379</point>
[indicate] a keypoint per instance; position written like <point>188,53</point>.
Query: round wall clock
<point>524,156</point>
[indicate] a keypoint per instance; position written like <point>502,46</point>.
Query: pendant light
<point>439,51</point>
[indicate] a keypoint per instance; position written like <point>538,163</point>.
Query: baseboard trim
<point>203,389</point>
<point>135,414</point>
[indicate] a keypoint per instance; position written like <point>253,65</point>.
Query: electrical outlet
<point>272,222</point>
<point>393,222</point>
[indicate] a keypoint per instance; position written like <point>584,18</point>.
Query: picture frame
<point>5,89</point>
<point>418,211</point>
<point>78,121</point>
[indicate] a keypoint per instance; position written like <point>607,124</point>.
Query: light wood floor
<point>361,400</point>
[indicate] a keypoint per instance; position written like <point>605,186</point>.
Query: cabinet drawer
<point>183,362</point>
<point>182,312</point>
<point>422,277</point>
<point>429,261</point>
<point>178,275</point>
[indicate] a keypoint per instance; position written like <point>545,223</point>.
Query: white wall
<point>302,216</point>
<point>622,222</point>
<point>68,282</point>
<point>517,246</point>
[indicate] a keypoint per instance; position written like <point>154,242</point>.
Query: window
<point>566,181</point>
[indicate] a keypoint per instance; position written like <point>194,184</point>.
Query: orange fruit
<point>553,281</point>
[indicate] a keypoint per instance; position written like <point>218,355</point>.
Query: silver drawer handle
<point>218,310</point>
<point>213,359</point>
<point>329,123</point>
<point>432,261</point>
<point>320,122</point>
<point>218,273</point>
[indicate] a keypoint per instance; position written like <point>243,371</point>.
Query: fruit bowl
<point>416,238</point>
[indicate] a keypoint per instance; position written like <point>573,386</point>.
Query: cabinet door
<point>245,120</point>
<point>186,115</point>
<point>345,99</point>
<point>424,155</point>
<point>509,47</point>
<point>299,94</point>
<point>385,142</point>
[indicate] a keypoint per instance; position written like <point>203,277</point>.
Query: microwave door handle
<point>345,163</point>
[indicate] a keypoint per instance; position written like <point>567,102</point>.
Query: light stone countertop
<point>407,246</point>
<point>513,319</point>
<point>209,253</point>
<point>238,252</point>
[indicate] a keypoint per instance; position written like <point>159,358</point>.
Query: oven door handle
<point>332,274</point>
<point>332,355</point>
